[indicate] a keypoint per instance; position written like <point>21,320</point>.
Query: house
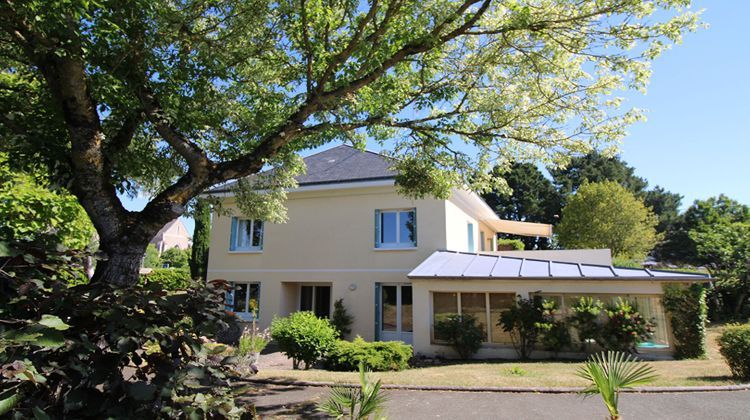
<point>172,235</point>
<point>398,264</point>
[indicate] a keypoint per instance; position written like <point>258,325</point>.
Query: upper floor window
<point>246,235</point>
<point>396,228</point>
<point>470,236</point>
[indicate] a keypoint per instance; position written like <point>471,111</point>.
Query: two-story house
<point>399,264</point>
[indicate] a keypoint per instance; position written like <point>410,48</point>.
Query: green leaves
<point>610,372</point>
<point>53,322</point>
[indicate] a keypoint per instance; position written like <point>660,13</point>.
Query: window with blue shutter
<point>396,228</point>
<point>470,227</point>
<point>246,235</point>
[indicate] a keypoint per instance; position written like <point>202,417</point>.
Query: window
<point>396,228</point>
<point>246,235</point>
<point>243,299</point>
<point>481,240</point>
<point>485,307</point>
<point>470,228</point>
<point>316,299</point>
<point>650,306</point>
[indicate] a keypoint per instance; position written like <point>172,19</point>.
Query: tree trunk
<point>121,264</point>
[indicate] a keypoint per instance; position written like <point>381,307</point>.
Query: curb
<point>509,390</point>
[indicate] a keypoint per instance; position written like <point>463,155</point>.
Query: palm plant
<point>355,403</point>
<point>609,372</point>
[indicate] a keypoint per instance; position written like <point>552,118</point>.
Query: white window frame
<point>487,314</point>
<point>238,230</point>
<point>398,244</point>
<point>246,315</point>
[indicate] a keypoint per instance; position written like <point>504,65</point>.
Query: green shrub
<point>341,320</point>
<point>624,328</point>
<point>555,334</point>
<point>522,321</point>
<point>510,245</point>
<point>585,319</point>
<point>66,350</point>
<point>734,345</point>
<point>462,332</point>
<point>168,278</point>
<point>378,356</point>
<point>686,306</point>
<point>303,337</point>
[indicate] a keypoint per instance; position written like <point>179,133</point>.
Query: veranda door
<point>396,313</point>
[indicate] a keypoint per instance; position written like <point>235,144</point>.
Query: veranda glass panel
<point>651,308</point>
<point>388,313</point>
<point>475,304</point>
<point>406,309</point>
<point>443,305</point>
<point>499,302</point>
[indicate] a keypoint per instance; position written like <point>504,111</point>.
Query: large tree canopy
<point>533,199</point>
<point>606,215</point>
<point>172,97</point>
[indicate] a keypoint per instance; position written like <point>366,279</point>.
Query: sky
<point>695,141</point>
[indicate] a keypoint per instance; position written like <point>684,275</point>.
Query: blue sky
<point>695,141</point>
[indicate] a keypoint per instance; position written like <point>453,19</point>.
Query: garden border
<point>510,390</point>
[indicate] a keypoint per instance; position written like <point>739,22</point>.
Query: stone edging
<point>532,390</point>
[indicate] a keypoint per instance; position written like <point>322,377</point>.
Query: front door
<point>396,313</point>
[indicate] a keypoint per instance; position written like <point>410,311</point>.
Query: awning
<point>520,228</point>
<point>463,265</point>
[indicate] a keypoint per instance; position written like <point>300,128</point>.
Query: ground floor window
<point>316,299</point>
<point>649,305</point>
<point>486,307</point>
<point>243,299</point>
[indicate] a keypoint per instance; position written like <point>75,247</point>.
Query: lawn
<point>712,371</point>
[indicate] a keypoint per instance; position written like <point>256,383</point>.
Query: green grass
<point>712,371</point>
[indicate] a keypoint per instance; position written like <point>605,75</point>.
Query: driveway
<point>274,401</point>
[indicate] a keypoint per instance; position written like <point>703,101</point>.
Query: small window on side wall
<point>246,235</point>
<point>396,228</point>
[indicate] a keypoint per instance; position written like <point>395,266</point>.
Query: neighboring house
<point>172,235</point>
<point>398,264</point>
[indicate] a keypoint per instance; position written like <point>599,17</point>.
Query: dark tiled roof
<point>449,264</point>
<point>341,164</point>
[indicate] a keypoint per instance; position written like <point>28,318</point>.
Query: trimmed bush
<point>555,334</point>
<point>168,278</point>
<point>341,320</point>
<point>462,332</point>
<point>303,337</point>
<point>510,245</point>
<point>686,306</point>
<point>522,321</point>
<point>734,345</point>
<point>378,356</point>
<point>625,327</point>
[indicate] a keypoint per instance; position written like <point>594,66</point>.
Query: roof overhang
<point>520,228</point>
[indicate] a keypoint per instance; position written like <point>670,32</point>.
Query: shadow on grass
<point>719,378</point>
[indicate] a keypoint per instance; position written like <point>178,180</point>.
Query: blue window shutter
<point>377,228</point>
<point>233,235</point>
<point>470,228</point>
<point>377,311</point>
<point>414,230</point>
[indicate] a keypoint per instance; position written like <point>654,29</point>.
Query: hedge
<point>378,356</point>
<point>168,278</point>
<point>686,306</point>
<point>303,337</point>
<point>734,345</point>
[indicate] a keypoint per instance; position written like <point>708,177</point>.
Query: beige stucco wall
<point>422,290</point>
<point>328,239</point>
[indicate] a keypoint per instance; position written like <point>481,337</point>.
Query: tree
<point>151,259</point>
<point>171,98</point>
<point>606,215</point>
<point>533,199</point>
<point>31,212</point>
<point>724,246</point>
<point>175,257</point>
<point>201,239</point>
<point>596,167</point>
<point>678,245</point>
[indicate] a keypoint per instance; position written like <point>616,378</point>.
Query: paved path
<point>273,401</point>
